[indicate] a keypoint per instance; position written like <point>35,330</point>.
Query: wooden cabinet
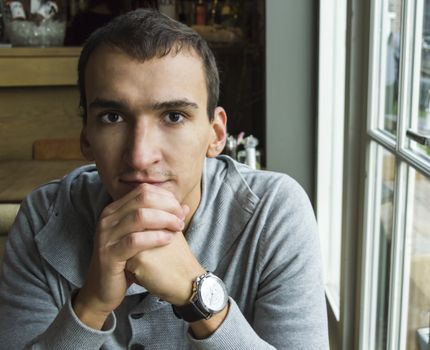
<point>38,98</point>
<point>25,67</point>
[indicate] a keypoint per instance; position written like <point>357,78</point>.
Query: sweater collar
<point>66,241</point>
<point>226,206</point>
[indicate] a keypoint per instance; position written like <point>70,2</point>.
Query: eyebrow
<point>184,103</point>
<point>109,104</point>
<point>162,105</point>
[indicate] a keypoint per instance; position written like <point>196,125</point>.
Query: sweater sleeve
<point>289,310</point>
<point>30,315</point>
<point>233,334</point>
<point>290,306</point>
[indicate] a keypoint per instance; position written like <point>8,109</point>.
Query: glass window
<point>383,241</point>
<point>391,39</point>
<point>418,260</point>
<point>419,129</point>
<point>423,123</point>
<point>396,274</point>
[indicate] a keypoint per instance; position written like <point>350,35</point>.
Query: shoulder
<point>40,205</point>
<point>267,185</point>
<point>283,205</point>
<point>275,200</point>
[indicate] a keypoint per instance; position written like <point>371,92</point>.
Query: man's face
<point>148,122</point>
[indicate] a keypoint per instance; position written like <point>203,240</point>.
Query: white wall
<point>291,49</point>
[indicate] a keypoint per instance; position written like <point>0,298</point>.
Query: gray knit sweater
<point>254,229</point>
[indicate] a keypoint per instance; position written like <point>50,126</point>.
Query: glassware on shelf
<point>40,24</point>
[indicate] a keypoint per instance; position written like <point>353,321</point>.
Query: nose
<point>143,149</point>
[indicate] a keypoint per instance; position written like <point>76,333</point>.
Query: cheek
<point>189,147</point>
<point>193,138</point>
<point>106,147</point>
<point>187,160</point>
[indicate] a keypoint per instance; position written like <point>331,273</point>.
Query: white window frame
<point>407,159</point>
<point>331,93</point>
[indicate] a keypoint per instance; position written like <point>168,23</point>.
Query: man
<point>162,245</point>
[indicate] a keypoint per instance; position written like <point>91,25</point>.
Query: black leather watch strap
<point>190,313</point>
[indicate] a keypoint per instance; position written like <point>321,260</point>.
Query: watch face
<point>213,294</point>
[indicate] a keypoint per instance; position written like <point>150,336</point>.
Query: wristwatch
<point>209,297</point>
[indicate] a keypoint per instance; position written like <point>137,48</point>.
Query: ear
<point>219,133</point>
<point>85,145</point>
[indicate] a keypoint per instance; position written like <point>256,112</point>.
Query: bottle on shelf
<point>16,9</point>
<point>1,23</point>
<point>35,6</point>
<point>228,14</point>
<point>214,12</point>
<point>201,13</point>
<point>187,12</point>
<point>249,154</point>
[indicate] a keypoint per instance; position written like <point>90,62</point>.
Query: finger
<point>144,219</point>
<point>150,197</point>
<point>135,242</point>
<point>114,206</point>
<point>147,200</point>
<point>145,196</point>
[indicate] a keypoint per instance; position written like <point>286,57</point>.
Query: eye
<point>173,118</point>
<point>111,118</point>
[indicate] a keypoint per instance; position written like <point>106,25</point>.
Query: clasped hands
<point>139,240</point>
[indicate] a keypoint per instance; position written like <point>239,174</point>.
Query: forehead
<point>112,66</point>
<point>113,75</point>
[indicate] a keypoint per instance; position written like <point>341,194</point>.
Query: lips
<point>140,182</point>
<point>136,181</point>
<point>156,177</point>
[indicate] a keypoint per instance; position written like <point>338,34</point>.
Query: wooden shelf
<point>26,67</point>
<point>28,175</point>
<point>40,51</point>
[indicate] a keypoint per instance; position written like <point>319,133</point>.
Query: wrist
<point>209,297</point>
<point>88,314</point>
<point>204,328</point>
<point>185,293</point>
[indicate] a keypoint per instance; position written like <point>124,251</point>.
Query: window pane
<point>391,39</point>
<point>418,261</point>
<point>421,122</point>
<point>384,230</point>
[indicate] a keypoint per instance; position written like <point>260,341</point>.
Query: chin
<point>118,191</point>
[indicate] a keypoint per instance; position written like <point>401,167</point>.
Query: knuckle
<point>131,240</point>
<point>107,211</point>
<point>140,198</point>
<point>139,215</point>
<point>159,238</point>
<point>145,187</point>
<point>104,223</point>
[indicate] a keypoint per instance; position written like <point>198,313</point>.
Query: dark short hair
<point>144,34</point>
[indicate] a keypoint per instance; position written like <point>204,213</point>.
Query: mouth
<point>135,183</point>
<point>156,177</point>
